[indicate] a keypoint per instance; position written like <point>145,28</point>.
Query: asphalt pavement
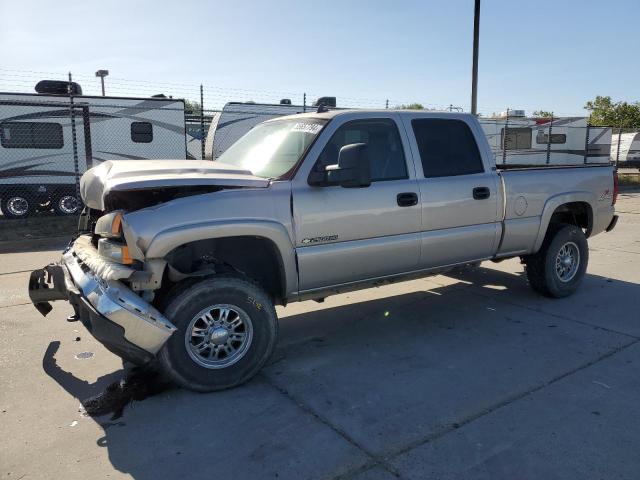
<point>464,376</point>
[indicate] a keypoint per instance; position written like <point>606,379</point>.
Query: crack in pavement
<point>12,273</point>
<point>376,460</point>
<point>508,401</point>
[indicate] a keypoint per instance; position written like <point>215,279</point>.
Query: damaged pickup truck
<point>182,262</point>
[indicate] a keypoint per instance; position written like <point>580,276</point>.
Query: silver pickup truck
<point>182,262</point>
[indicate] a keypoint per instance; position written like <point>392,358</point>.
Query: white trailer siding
<point>104,131</point>
<point>527,141</point>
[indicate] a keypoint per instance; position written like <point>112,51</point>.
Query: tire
<point>559,267</point>
<point>15,205</point>
<point>66,204</point>
<point>247,306</point>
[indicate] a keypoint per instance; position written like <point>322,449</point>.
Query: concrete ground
<point>470,376</point>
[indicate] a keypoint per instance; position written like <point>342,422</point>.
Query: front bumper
<point>113,313</point>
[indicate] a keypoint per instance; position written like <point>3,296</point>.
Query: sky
<point>544,54</point>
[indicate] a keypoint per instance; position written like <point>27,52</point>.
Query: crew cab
<point>181,263</point>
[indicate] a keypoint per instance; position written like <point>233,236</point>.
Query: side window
<point>141,132</point>
<point>31,135</point>
<point>447,147</point>
<point>516,138</point>
<point>384,147</point>
<point>555,138</point>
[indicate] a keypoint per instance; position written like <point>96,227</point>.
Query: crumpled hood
<point>129,175</point>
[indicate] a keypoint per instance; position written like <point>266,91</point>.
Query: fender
<point>553,203</point>
<point>167,240</point>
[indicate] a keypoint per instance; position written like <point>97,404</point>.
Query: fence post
<point>618,149</point>
<point>74,138</point>
<point>304,102</point>
<point>549,139</point>
<point>201,122</point>
<point>504,139</point>
<point>586,141</point>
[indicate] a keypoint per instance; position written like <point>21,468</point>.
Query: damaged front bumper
<point>115,315</point>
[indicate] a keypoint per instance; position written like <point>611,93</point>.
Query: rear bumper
<point>113,314</point>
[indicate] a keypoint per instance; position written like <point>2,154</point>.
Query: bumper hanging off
<point>114,314</point>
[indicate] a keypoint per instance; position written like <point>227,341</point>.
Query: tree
<point>606,112</point>
<point>192,107</point>
<point>410,106</point>
<point>542,114</point>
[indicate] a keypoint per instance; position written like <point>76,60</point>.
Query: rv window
<point>555,138</point>
<point>516,138</point>
<point>142,132</point>
<point>447,147</point>
<point>31,135</point>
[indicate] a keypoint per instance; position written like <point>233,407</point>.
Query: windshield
<point>271,149</point>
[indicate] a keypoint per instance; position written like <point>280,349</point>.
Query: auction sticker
<point>312,128</point>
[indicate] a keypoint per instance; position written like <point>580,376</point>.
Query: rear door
<point>460,208</point>
<point>347,235</point>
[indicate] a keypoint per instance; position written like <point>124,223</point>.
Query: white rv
<point>628,153</point>
<point>518,140</point>
<point>237,118</point>
<point>38,168</point>
<point>526,138</point>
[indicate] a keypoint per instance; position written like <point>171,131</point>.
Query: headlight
<point>110,225</point>
<point>116,251</point>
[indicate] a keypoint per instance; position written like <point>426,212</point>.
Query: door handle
<point>407,199</point>
<point>481,193</point>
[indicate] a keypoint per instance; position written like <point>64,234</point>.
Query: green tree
<point>192,107</point>
<point>410,106</point>
<point>542,114</point>
<point>605,111</point>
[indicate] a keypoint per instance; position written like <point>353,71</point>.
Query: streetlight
<point>102,74</point>
<point>474,71</point>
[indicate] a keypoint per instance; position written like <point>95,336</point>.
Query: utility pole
<point>474,71</point>
<point>102,74</point>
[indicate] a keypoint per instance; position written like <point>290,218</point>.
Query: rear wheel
<point>17,206</point>
<point>66,205</point>
<point>227,329</point>
<point>559,267</point>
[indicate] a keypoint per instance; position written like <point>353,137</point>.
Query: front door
<point>346,235</point>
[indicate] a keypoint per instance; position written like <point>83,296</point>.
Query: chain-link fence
<point>50,138</point>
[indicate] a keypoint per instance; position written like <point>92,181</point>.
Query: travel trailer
<point>526,138</point>
<point>237,118</point>
<point>518,140</point>
<point>38,166</point>
<point>628,153</point>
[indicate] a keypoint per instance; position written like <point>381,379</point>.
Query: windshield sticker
<point>312,128</point>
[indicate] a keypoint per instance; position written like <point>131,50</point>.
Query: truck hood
<point>110,177</point>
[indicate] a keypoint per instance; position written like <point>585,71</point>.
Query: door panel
<point>351,234</point>
<point>348,234</point>
<point>457,226</point>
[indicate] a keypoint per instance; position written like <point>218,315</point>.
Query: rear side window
<point>142,132</point>
<point>31,135</point>
<point>447,147</point>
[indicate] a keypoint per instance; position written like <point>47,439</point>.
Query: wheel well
<point>255,257</point>
<point>574,213</point>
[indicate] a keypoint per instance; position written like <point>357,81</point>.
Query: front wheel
<point>227,329</point>
<point>559,267</point>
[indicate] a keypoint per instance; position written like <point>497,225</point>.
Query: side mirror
<point>353,169</point>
